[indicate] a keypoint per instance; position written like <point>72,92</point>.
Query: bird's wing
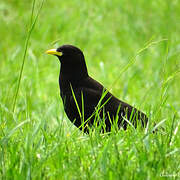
<point>84,101</point>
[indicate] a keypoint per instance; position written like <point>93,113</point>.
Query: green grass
<point>132,47</point>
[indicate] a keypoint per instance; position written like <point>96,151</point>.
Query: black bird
<point>86,101</point>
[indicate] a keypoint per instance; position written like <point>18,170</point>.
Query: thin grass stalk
<point>32,25</point>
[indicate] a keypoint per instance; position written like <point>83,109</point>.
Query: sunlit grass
<point>131,47</point>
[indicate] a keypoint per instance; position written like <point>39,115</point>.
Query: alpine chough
<point>86,102</point>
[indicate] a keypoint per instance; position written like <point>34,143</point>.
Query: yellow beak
<point>54,52</point>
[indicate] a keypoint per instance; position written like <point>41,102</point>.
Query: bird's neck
<point>71,75</point>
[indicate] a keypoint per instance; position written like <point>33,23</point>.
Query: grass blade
<point>32,25</point>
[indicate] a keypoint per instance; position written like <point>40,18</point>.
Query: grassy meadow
<point>131,47</point>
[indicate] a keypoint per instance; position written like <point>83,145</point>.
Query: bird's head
<point>68,54</point>
<point>72,60</point>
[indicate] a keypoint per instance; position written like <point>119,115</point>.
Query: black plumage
<point>84,98</point>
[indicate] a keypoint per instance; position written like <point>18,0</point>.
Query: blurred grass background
<point>37,140</point>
